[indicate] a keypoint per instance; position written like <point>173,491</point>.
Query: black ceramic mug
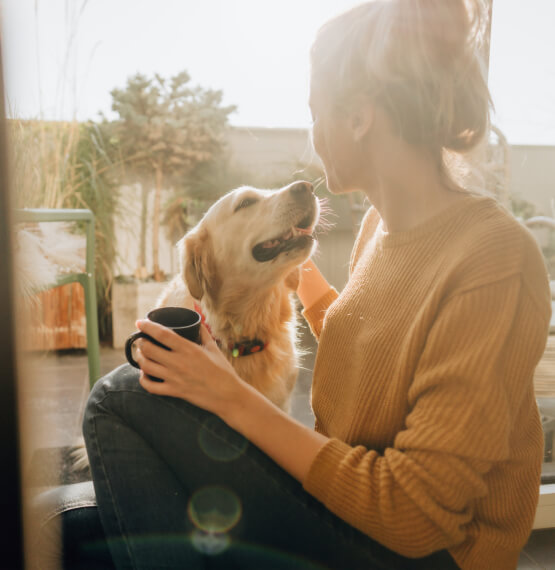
<point>184,322</point>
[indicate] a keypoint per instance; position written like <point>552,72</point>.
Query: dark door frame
<point>11,542</point>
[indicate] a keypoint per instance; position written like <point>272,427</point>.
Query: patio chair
<point>86,278</point>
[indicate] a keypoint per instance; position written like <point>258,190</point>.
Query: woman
<point>428,445</point>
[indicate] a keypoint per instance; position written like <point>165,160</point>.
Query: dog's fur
<point>236,267</point>
<point>242,294</point>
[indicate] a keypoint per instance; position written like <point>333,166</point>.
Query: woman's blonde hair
<point>419,60</point>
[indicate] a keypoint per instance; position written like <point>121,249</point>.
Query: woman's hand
<point>199,374</point>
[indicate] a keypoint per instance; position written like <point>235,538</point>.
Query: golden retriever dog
<point>239,268</point>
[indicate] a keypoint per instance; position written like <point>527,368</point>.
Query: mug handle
<point>128,347</point>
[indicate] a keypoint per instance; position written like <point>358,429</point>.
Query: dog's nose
<point>301,189</point>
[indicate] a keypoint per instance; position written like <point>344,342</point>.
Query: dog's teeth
<point>288,235</point>
<point>270,243</point>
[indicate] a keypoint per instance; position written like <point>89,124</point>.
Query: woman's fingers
<point>152,351</point>
<point>151,367</point>
<point>191,372</point>
<point>157,388</point>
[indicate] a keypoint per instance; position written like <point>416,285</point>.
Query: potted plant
<point>167,134</point>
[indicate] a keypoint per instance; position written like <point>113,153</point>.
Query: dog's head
<point>251,238</point>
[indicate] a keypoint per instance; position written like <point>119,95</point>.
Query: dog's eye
<point>245,203</point>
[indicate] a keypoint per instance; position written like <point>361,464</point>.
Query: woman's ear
<point>361,118</point>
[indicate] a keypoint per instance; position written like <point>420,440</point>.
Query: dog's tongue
<point>271,243</point>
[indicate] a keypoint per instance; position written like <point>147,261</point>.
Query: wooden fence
<point>57,319</point>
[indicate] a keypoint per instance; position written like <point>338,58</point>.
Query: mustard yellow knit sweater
<point>424,382</point>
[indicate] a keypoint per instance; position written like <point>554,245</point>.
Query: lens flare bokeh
<point>214,509</point>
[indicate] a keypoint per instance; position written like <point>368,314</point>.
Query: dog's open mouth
<point>297,237</point>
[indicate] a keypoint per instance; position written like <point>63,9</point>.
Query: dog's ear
<point>199,270</point>
<point>293,279</point>
<point>192,259</point>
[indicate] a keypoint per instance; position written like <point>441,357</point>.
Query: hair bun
<point>448,28</point>
<point>453,101</point>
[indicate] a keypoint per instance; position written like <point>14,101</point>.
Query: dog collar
<point>236,349</point>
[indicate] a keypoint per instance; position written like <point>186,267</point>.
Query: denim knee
<point>124,378</point>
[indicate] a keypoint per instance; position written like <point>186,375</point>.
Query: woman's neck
<point>407,187</point>
<point>402,211</point>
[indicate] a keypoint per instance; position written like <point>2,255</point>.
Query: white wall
<point>273,153</point>
<point>127,231</point>
<point>532,175</point>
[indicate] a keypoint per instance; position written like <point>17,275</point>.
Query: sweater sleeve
<point>314,315</point>
<point>474,373</point>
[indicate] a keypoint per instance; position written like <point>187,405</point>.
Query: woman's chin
<point>335,188</point>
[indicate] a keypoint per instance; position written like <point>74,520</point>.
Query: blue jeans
<point>177,488</point>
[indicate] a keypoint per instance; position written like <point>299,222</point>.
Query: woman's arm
<point>316,295</point>
<point>312,285</point>
<point>204,377</point>
<point>292,445</point>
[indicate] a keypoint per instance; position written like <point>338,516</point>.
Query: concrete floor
<point>56,389</point>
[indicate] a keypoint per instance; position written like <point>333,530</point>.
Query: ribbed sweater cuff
<point>322,471</point>
<point>314,314</point>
